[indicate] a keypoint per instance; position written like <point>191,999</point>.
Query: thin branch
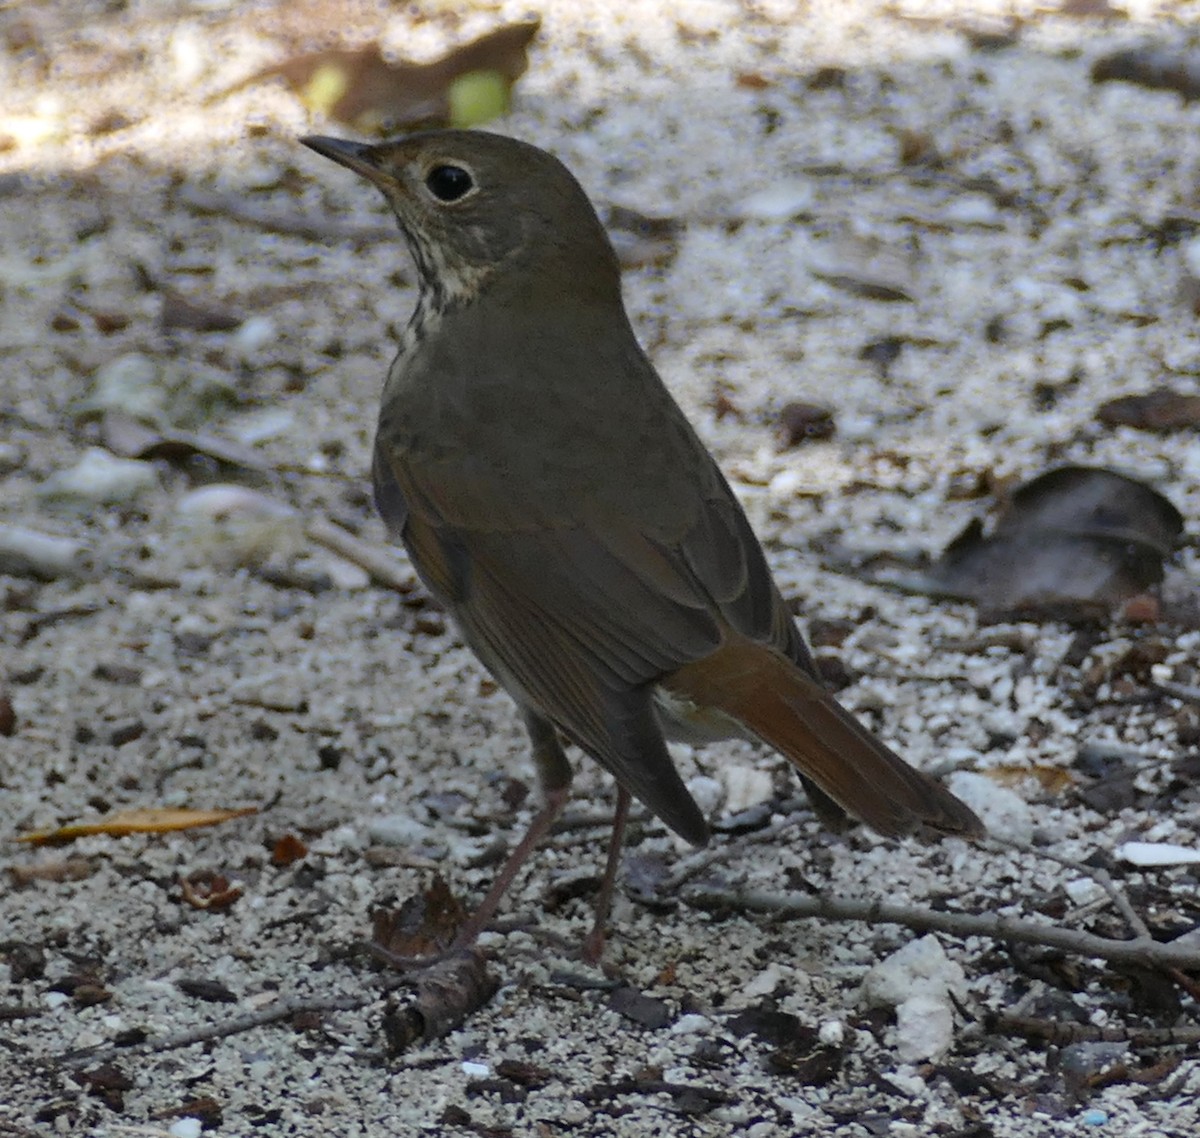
<point>208,1032</point>
<point>1140,950</point>
<point>381,564</point>
<point>1061,1034</point>
<point>698,862</point>
<point>1099,875</point>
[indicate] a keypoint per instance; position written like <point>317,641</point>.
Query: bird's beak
<point>356,156</point>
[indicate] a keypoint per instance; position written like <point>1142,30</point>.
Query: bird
<point>555,499</point>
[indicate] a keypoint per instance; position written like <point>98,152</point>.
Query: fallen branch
<point>1140,950</point>
<point>1060,1034</point>
<point>381,564</point>
<point>208,1032</point>
<point>1097,873</point>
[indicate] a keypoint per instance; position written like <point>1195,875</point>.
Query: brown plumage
<point>553,496</point>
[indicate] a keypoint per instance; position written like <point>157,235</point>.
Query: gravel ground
<point>1032,229</point>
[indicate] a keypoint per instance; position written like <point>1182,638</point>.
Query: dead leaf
<point>65,869</point>
<point>207,889</point>
<point>1073,543</point>
<point>804,422</point>
<point>423,925</point>
<point>150,820</point>
<point>1052,780</point>
<point>466,87</point>
<point>1161,410</point>
<point>287,850</point>
<point>1154,66</point>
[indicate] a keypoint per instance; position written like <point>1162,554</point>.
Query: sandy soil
<point>205,665</point>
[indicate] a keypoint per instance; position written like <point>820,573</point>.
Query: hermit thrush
<point>553,496</point>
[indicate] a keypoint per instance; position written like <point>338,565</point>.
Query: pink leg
<point>554,779</point>
<point>593,943</point>
<point>556,800</point>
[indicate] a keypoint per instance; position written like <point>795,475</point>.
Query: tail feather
<point>789,710</point>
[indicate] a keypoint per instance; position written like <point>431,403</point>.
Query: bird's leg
<point>593,943</point>
<point>554,780</point>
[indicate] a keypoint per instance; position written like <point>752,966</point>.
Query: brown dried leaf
<point>365,91</point>
<point>1075,542</point>
<point>1161,410</point>
<point>1052,780</point>
<point>1154,66</point>
<point>424,925</point>
<point>62,869</point>
<point>149,820</point>
<point>287,850</point>
<point>207,889</point>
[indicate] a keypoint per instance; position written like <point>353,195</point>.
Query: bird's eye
<point>449,183</point>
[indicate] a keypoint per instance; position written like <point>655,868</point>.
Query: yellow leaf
<point>151,820</point>
<point>478,97</point>
<point>327,85</point>
<point>1052,780</point>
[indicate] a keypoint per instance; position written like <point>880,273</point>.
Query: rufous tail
<point>789,710</point>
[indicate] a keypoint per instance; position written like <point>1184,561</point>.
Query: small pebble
<point>253,334</point>
<point>1157,853</point>
<point>776,203</point>
<point>99,477</point>
<point>1004,812</point>
<point>832,1033</point>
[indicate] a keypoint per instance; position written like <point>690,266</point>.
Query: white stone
<point>1157,853</point>
<point>693,1024</point>
<point>921,967</point>
<point>1004,812</point>
<point>764,983</point>
<point>745,786</point>
<point>102,477</point>
<point>924,1027</point>
<point>832,1033</point>
<point>776,203</point>
<point>397,830</point>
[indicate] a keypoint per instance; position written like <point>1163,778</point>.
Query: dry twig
<point>1140,950</point>
<point>1061,1034</point>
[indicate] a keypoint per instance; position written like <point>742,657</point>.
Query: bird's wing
<point>579,607</point>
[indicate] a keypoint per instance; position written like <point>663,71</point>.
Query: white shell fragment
<point>776,203</point>
<point>28,553</point>
<point>99,477</point>
<point>1157,853</point>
